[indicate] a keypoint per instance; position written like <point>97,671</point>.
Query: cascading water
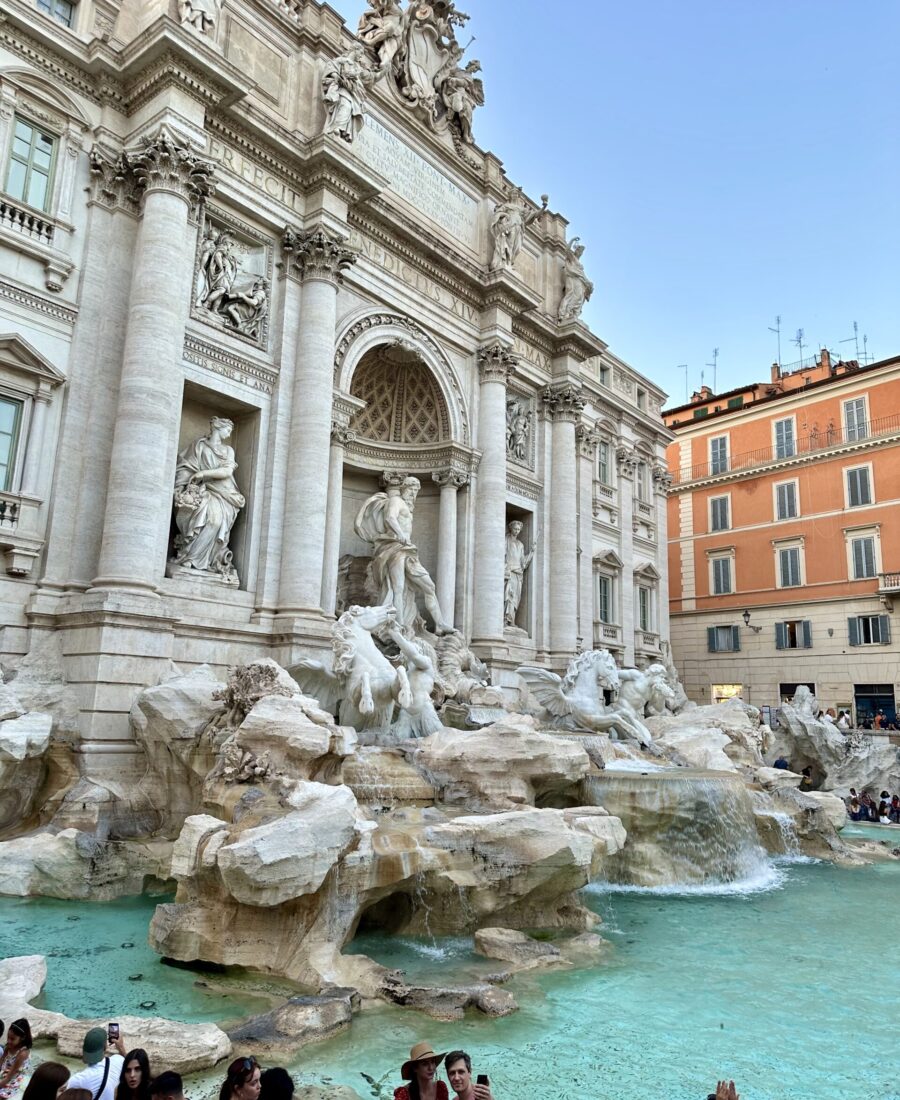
<point>685,829</point>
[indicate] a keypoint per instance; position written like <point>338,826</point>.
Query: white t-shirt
<point>90,1077</point>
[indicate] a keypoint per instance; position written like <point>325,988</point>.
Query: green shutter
<point>711,639</point>
<point>807,634</point>
<point>780,636</point>
<point>884,627</point>
<point>735,638</point>
<point>853,630</point>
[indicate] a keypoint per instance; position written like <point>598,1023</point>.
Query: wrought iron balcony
<point>813,443</point>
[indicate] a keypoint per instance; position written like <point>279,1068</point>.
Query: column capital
<point>455,479</point>
<point>563,402</point>
<point>393,479</point>
<point>341,433</point>
<point>662,479</point>
<point>165,163</point>
<point>318,253</point>
<point>626,460</point>
<point>586,439</point>
<point>496,363</point>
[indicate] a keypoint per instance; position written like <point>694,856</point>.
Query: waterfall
<point>783,840</point>
<point>685,829</point>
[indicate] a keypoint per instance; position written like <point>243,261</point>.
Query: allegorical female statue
<point>345,84</point>
<point>517,561</point>
<point>207,502</point>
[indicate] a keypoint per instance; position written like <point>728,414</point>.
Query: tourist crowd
<point>885,810</point>
<point>112,1073</point>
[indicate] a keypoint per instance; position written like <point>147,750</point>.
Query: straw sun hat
<point>421,1052</point>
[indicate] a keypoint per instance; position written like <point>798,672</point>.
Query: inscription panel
<point>419,183</point>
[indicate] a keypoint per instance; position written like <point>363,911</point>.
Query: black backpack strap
<point>99,1091</point>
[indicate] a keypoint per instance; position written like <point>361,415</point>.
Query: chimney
<point>825,359</point>
<point>776,372</point>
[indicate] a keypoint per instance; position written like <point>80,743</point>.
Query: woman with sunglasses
<point>421,1071</point>
<point>242,1080</point>
<point>16,1056</point>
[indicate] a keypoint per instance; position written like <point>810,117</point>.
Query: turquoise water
<point>791,985</point>
<point>792,990</point>
<point>95,949</point>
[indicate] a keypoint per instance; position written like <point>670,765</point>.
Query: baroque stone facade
<point>256,270</point>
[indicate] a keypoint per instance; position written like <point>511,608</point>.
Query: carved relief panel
<point>231,288</point>
<point>520,429</point>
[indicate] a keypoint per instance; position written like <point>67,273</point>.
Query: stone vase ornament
<point>207,502</point>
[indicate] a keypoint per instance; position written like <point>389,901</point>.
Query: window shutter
<point>869,555</point>
<point>807,634</point>
<point>780,641</point>
<point>884,627</point>
<point>853,630</point>
<point>711,639</point>
<point>735,638</point>
<point>858,566</point>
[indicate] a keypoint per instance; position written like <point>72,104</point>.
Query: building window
<point>863,552</point>
<point>859,489</point>
<point>698,413</point>
<point>721,576</point>
<point>644,613</point>
<point>735,402</point>
<point>61,10</point>
<point>786,500</point>
<point>789,567</point>
<point>604,598</point>
<point>603,470</point>
<point>793,634</point>
<point>723,639</point>
<point>641,399</point>
<point>10,421</point>
<point>869,629</point>
<point>604,375</point>
<point>718,514</point>
<point>640,482</point>
<point>856,423</point>
<point>30,165</point>
<point>784,438</point>
<point>718,454</point>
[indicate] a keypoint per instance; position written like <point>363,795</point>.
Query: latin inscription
<point>256,176</point>
<point>418,182</point>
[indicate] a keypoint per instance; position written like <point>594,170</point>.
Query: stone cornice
<point>576,340</point>
<point>63,70</point>
<point>27,298</point>
<point>317,254</point>
<point>507,291</point>
<point>221,361</point>
<point>496,363</point>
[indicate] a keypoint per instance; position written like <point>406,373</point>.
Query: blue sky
<point>724,162</point>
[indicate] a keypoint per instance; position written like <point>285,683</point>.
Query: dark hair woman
<point>16,1056</point>
<point>276,1084</point>
<point>241,1081</point>
<point>46,1081</point>
<point>134,1084</point>
<point>421,1071</point>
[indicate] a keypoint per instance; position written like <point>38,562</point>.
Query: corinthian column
<point>341,435</point>
<point>450,482</point>
<point>139,493</point>
<point>321,260</point>
<point>587,450</point>
<point>564,405</point>
<point>496,363</point>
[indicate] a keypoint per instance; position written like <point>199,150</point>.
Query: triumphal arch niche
<point>342,352</point>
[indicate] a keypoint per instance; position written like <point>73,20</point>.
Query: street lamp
<point>746,618</point>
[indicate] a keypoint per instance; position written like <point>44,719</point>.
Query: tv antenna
<point>798,340</point>
<point>713,364</point>
<point>684,367</point>
<point>854,339</point>
<point>777,331</point>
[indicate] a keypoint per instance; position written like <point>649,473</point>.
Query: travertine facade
<point>253,270</point>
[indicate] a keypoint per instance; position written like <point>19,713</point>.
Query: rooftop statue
<point>461,91</point>
<point>381,29</point>
<point>577,287</point>
<point>508,225</point>
<point>345,85</point>
<point>385,520</point>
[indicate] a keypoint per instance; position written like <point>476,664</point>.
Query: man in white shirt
<point>101,1077</point>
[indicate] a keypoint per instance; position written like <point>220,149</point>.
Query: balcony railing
<point>605,632</point>
<point>812,443</point>
<point>22,219</point>
<point>890,582</point>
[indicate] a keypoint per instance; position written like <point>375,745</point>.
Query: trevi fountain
<point>337,706</point>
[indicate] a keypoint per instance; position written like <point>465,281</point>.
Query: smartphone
<point>482,1079</point>
<point>113,1032</point>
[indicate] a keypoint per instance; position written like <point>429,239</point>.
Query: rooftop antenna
<point>713,365</point>
<point>798,340</point>
<point>777,331</point>
<point>684,367</point>
<point>866,349</point>
<point>854,339</point>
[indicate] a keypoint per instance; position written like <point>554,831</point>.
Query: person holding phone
<point>103,1067</point>
<point>459,1072</point>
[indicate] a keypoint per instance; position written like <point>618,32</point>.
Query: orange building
<point>784,537</point>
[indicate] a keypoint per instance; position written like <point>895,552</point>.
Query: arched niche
<point>404,405</point>
<point>398,333</point>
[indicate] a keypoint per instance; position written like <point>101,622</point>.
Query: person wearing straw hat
<point>421,1072</point>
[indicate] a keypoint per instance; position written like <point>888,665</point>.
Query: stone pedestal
<point>450,481</point>
<point>563,404</point>
<point>320,259</point>
<point>496,364</point>
<point>139,495</point>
